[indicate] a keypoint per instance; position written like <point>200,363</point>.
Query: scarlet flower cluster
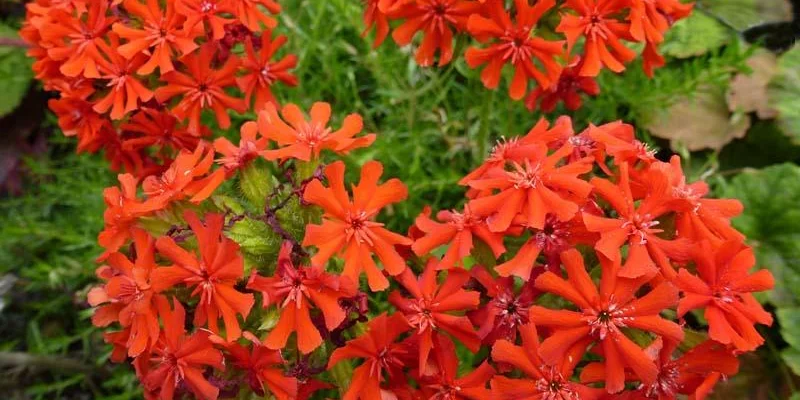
<point>136,76</point>
<point>574,270</point>
<point>589,35</point>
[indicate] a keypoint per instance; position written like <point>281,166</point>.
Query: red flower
<point>514,45</point>
<point>602,314</point>
<point>694,373</point>
<point>596,20</point>
<point>128,297</point>
<point>158,130</point>
<point>545,381</point>
<point>380,353</point>
<point>198,12</point>
<point>212,277</point>
<point>248,149</point>
<point>505,311</point>
<point>201,88</point>
<point>77,117</point>
<point>533,188</point>
<point>74,38</point>
<point>636,225</point>
<point>186,176</point>
<point>250,14</point>
<point>568,89</point>
<point>437,19</point>
<point>374,16</point>
<point>161,36</point>
<point>263,367</point>
<point>347,226</point>
<point>261,72</point>
<point>303,139</point>
<point>430,309</point>
<point>554,238</point>
<point>723,287</point>
<point>123,209</point>
<point>125,90</point>
<point>518,148</point>
<point>295,291</point>
<point>649,19</point>
<point>457,231</point>
<point>702,219</point>
<point>446,385</point>
<point>180,359</point>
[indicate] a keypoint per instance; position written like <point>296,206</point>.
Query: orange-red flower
<point>446,385</point>
<point>249,147</point>
<point>694,373</point>
<point>124,89</point>
<point>545,381</point>
<point>211,277</point>
<point>380,353</point>
<point>603,311</point>
<point>123,209</point>
<point>514,45</point>
<point>637,225</point>
<point>128,296</point>
<point>437,19</point>
<point>374,16</point>
<point>533,188</point>
<point>295,291</point>
<point>457,231</point>
<point>430,310</point>
<point>208,12</point>
<point>188,175</point>
<point>517,148</point>
<point>348,227</point>
<point>597,22</point>
<point>568,89</point>
<point>250,14</point>
<point>158,130</point>
<point>702,218</point>
<point>303,139</point>
<point>74,38</point>
<point>723,287</point>
<point>261,72</point>
<point>263,367</point>
<point>161,35</point>
<point>178,358</point>
<point>202,87</point>
<point>77,117</point>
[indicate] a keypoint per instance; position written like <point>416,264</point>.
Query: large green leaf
<point>790,331</point>
<point>784,93</point>
<point>771,222</point>
<point>15,73</point>
<point>743,14</point>
<point>694,36</point>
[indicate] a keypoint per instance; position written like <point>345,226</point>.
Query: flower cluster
<point>561,46</point>
<point>574,270</point>
<point>136,76</point>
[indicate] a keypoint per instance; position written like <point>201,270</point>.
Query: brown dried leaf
<point>700,122</point>
<point>748,93</point>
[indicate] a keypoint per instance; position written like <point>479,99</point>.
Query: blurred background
<point>728,102</point>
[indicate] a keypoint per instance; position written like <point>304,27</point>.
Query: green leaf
<point>790,331</point>
<point>743,14</point>
<point>784,93</point>
<point>771,222</point>
<point>256,239</point>
<point>255,183</point>
<point>15,73</point>
<point>694,36</point>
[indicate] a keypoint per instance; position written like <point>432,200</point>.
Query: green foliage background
<point>434,125</point>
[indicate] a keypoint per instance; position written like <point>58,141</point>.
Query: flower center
<point>641,226</point>
<point>607,320</point>
<point>516,48</point>
<point>526,176</point>
<point>313,134</point>
<point>421,316</point>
